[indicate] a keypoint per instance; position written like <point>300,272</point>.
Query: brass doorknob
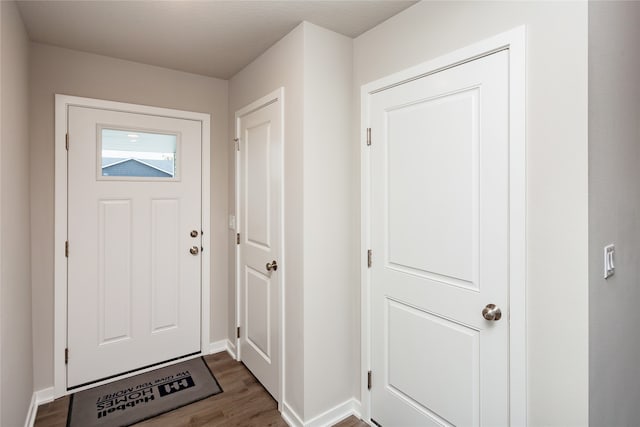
<point>194,250</point>
<point>491,312</point>
<point>273,265</point>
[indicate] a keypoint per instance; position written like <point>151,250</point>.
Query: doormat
<point>131,400</point>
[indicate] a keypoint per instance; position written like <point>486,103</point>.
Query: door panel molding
<point>62,104</point>
<point>514,41</point>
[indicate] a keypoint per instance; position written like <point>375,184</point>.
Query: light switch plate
<point>609,267</point>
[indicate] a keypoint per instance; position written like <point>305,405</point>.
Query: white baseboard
<point>328,418</point>
<point>231,349</point>
<point>38,398</point>
<point>31,414</point>
<point>336,414</point>
<point>222,345</point>
<point>217,346</point>
<point>44,396</point>
<point>290,417</point>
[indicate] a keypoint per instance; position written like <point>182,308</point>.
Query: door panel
<point>434,238</point>
<point>134,197</point>
<point>260,139</point>
<point>452,370</point>
<point>258,314</point>
<point>257,183</point>
<point>165,263</point>
<point>439,236</point>
<point>114,270</point>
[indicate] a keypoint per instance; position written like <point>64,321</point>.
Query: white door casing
<point>443,212</point>
<point>154,306</point>
<point>259,136</point>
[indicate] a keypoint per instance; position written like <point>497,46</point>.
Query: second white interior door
<point>259,131</point>
<point>440,241</point>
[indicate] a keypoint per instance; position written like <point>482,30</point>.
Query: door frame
<point>62,104</point>
<point>515,42</point>
<point>275,96</point>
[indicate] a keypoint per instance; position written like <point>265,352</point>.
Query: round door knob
<point>273,265</point>
<point>491,312</point>
<point>194,250</point>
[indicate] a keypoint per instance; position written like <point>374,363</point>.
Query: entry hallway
<point>243,402</point>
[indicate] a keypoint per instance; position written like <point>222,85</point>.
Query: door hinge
<point>369,257</point>
<point>236,142</point>
<point>238,332</point>
<point>66,249</point>
<point>66,356</point>
<point>369,380</point>
<point>368,136</point>
<point>237,238</point>
<point>66,142</point>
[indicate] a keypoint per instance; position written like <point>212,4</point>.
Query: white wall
<point>614,212</point>
<point>280,66</point>
<point>16,370</point>
<point>331,288</point>
<point>315,67</point>
<point>557,293</point>
<point>56,70</point>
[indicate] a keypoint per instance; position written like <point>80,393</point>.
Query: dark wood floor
<point>244,403</point>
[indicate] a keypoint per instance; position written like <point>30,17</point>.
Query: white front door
<point>259,131</point>
<point>440,248</point>
<point>134,227</point>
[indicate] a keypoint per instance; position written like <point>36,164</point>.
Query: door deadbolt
<point>273,265</point>
<point>193,233</point>
<point>194,250</point>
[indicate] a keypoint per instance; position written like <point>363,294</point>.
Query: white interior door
<point>259,218</point>
<point>439,236</point>
<point>134,226</point>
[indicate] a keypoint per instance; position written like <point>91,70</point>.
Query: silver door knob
<point>491,312</point>
<point>194,250</point>
<point>273,265</point>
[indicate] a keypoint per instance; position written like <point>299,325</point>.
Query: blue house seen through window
<point>127,153</point>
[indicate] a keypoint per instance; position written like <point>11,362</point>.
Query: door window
<point>126,154</point>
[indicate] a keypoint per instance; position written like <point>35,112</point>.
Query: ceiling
<point>212,38</point>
